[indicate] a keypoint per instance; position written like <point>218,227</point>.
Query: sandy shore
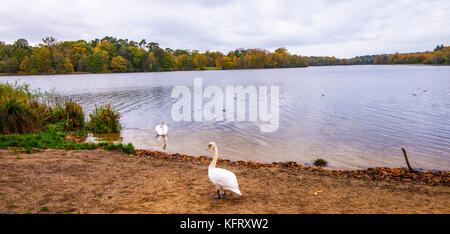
<point>102,181</point>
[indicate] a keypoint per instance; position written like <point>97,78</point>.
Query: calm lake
<point>352,116</point>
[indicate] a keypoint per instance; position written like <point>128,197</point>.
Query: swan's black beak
<point>209,147</point>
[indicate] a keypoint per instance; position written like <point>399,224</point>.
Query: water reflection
<point>163,140</point>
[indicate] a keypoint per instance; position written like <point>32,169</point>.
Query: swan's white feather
<point>161,130</point>
<point>224,179</point>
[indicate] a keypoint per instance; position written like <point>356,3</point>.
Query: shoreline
<point>246,69</point>
<point>373,173</point>
<point>111,181</point>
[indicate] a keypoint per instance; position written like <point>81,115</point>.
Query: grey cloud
<point>340,28</point>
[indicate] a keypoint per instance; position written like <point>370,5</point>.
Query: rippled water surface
<point>352,116</point>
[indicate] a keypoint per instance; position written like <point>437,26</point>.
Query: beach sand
<point>102,181</point>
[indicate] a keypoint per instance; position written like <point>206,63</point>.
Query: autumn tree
<point>181,62</point>
<point>119,64</point>
<point>108,47</point>
<point>123,55</point>
<point>62,64</point>
<point>436,58</point>
<point>200,61</point>
<point>41,61</point>
<point>381,59</point>
<point>168,62</point>
<point>225,62</point>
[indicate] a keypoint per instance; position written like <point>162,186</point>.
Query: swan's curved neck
<point>214,161</point>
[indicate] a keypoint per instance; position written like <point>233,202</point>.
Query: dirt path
<point>102,181</point>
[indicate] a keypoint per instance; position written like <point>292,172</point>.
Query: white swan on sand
<point>221,178</point>
<point>161,129</point>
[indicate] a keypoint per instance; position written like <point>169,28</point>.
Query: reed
<point>18,109</point>
<point>26,111</point>
<point>16,117</point>
<point>73,116</point>
<point>104,119</point>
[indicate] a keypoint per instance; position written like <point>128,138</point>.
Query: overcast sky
<point>329,27</point>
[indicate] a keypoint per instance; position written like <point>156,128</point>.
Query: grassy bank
<point>212,68</point>
<point>52,139</point>
<point>30,120</point>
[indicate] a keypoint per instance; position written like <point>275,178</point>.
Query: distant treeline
<point>440,55</point>
<point>121,55</point>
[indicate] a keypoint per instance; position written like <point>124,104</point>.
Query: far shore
<point>214,68</point>
<point>110,181</point>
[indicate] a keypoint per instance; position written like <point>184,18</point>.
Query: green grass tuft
<point>15,117</point>
<point>55,140</point>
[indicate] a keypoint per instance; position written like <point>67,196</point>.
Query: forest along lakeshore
<point>110,54</point>
<point>85,143</point>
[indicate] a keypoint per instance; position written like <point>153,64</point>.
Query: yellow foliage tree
<point>200,61</point>
<point>119,64</point>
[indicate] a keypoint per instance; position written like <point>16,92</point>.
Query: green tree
<point>41,61</point>
<point>97,62</point>
<point>50,41</point>
<point>135,57</point>
<point>168,62</point>
<point>142,44</point>
<point>439,47</point>
<point>21,53</point>
<point>11,65</point>
<point>59,60</point>
<point>78,53</point>
<point>158,54</point>
<point>2,66</point>
<point>152,62</point>
<point>21,43</point>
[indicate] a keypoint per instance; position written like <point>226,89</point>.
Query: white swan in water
<point>221,178</point>
<point>162,129</point>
